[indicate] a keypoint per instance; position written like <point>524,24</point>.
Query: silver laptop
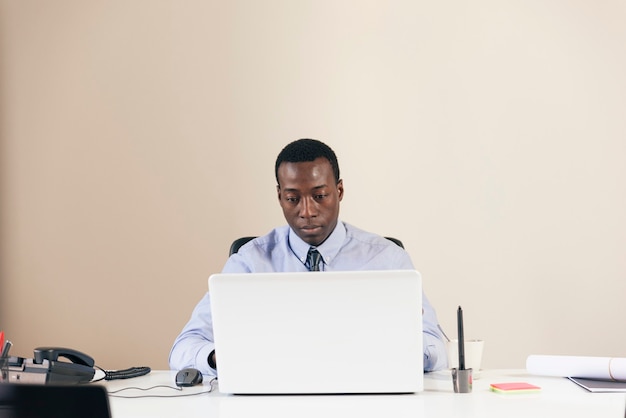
<point>322,332</point>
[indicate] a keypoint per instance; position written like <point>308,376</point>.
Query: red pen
<point>5,346</point>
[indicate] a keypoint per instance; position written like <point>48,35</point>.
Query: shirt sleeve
<point>195,342</point>
<point>435,352</point>
<point>237,263</point>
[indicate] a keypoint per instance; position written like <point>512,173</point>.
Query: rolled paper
<point>605,368</point>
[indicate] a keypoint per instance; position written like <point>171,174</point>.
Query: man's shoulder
<point>259,254</point>
<point>361,234</point>
<point>276,235</point>
<point>363,250</point>
<point>269,241</point>
<point>368,238</point>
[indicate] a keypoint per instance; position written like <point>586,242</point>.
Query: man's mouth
<point>310,227</point>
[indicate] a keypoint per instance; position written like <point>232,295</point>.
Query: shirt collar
<point>328,249</point>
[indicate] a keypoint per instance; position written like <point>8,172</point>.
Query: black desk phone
<point>45,367</point>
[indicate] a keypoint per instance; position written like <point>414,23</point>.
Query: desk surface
<point>558,397</point>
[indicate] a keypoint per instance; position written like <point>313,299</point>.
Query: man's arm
<point>194,346</point>
<point>195,343</point>
<point>435,351</point>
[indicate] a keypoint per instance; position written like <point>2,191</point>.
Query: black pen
<point>4,356</point>
<point>459,320</point>
<point>5,349</point>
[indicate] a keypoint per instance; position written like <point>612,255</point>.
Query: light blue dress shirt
<point>347,248</point>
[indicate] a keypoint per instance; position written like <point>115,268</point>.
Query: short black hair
<point>307,150</point>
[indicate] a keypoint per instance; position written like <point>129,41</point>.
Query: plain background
<point>138,140</point>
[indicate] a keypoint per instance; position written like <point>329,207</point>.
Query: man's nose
<point>307,208</point>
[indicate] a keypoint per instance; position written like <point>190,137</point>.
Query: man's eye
<point>320,196</point>
<point>291,199</point>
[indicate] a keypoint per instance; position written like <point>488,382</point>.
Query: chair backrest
<point>234,247</point>
<point>396,241</point>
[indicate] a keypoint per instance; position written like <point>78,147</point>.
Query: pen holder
<point>462,380</point>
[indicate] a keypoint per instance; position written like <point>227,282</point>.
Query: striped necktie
<point>313,259</point>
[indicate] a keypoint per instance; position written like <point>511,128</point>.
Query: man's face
<point>310,198</point>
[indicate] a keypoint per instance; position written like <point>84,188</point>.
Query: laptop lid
<point>323,332</point>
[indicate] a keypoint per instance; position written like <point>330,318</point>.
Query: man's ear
<point>278,191</point>
<point>340,189</point>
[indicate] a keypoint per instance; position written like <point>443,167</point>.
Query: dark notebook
<point>596,385</point>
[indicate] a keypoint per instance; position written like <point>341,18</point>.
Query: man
<point>309,192</point>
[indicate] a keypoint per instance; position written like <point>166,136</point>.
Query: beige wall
<point>138,139</point>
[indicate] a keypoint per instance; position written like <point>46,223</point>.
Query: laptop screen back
<point>326,332</point>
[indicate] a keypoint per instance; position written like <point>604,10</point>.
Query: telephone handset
<point>46,367</point>
<point>53,354</point>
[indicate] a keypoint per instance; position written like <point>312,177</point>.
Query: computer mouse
<point>188,377</point>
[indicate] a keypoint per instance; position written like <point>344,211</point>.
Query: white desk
<point>558,397</point>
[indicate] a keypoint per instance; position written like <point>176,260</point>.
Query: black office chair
<point>238,243</point>
<point>234,247</point>
<point>396,241</point>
